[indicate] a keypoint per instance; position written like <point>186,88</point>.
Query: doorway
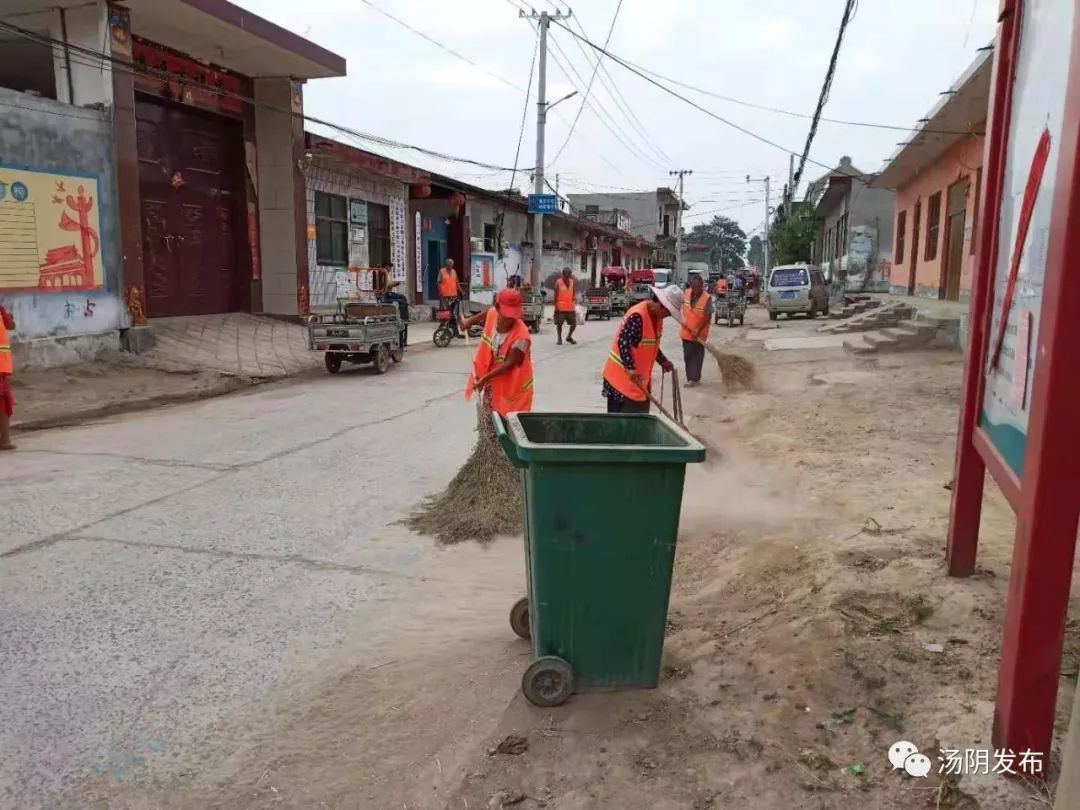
<point>195,250</point>
<point>955,222</point>
<point>436,255</point>
<point>916,221</point>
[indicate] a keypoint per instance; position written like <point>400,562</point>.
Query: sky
<point>896,59</point>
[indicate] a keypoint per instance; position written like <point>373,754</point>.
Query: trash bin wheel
<point>519,618</point>
<point>548,681</point>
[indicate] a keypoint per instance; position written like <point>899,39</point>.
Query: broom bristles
<point>481,502</point>
<point>737,371</point>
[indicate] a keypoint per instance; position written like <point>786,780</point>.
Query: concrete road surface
<point>175,584</point>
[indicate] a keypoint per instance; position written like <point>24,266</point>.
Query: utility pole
<point>768,213</point>
<point>680,173</point>
<point>789,201</point>
<point>542,108</point>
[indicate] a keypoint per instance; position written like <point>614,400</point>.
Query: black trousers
<point>693,355</point>
<point>627,405</point>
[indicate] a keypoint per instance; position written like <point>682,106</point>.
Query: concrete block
<point>859,345</point>
<point>905,338</point>
<point>137,339</point>
<point>916,328</point>
<point>53,352</point>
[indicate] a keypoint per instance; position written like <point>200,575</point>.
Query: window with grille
<point>901,228</point>
<point>933,226</point>
<point>378,217</point>
<point>331,230</point>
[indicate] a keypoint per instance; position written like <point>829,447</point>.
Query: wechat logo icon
<point>905,756</point>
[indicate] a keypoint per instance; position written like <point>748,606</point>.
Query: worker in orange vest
<point>502,366</point>
<point>636,349</point>
<point>721,286</point>
<point>565,291</point>
<point>7,399</point>
<point>450,293</point>
<point>697,312</point>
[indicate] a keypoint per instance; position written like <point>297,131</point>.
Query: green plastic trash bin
<point>602,499</point>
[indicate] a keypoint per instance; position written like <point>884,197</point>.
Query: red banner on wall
<point>173,76</point>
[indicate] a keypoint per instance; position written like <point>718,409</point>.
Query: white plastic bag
<point>580,312</point>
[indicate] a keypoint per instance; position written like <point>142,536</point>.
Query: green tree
<point>756,255</point>
<point>792,239</point>
<point>723,235</point>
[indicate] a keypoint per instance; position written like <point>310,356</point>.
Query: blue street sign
<point>543,204</point>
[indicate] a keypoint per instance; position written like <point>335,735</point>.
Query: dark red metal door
<point>191,186</point>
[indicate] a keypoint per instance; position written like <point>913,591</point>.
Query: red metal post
<point>970,472</point>
<point>1049,505</point>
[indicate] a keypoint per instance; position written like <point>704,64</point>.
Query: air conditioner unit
<point>477,243</point>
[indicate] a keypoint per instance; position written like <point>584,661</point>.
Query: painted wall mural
<point>50,232</point>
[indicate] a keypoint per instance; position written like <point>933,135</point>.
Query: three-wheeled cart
<point>532,309</point>
<point>359,332</point>
<point>732,307</point>
<point>614,279</point>
<point>598,303</point>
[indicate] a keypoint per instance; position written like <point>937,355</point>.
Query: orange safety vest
<point>721,285</point>
<point>564,296</point>
<point>448,283</point>
<point>693,314</point>
<point>6,366</point>
<point>512,391</point>
<point>644,355</point>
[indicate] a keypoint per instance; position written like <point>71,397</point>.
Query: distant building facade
<point>938,178</point>
<point>854,229</point>
<point>652,216</point>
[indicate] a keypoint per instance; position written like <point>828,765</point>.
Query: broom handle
<point>659,405</point>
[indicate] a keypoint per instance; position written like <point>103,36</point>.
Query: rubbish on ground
<point>737,371</point>
<point>511,744</point>
<point>856,769</point>
<point>480,503</point>
<point>506,798</point>
<point>934,648</point>
<point>844,716</point>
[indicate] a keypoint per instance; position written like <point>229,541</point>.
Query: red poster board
<point>1021,392</point>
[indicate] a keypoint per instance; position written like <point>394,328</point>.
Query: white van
<point>796,288</point>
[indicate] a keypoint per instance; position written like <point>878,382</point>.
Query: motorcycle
<point>444,330</point>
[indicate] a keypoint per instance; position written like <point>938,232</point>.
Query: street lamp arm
<point>561,100</point>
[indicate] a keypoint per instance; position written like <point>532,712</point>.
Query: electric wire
<point>823,96</point>
<point>609,84</point>
<point>738,127</point>
<point>588,90</point>
<point>92,58</point>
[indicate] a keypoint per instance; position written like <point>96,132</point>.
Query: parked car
<point>663,277</point>
<point>640,282</point>
<point>796,288</point>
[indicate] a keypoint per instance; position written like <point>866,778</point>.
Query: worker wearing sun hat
<point>502,366</point>
<point>636,349</point>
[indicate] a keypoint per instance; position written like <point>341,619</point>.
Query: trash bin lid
<point>601,438</point>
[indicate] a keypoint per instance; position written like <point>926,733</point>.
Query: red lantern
<point>457,200</point>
